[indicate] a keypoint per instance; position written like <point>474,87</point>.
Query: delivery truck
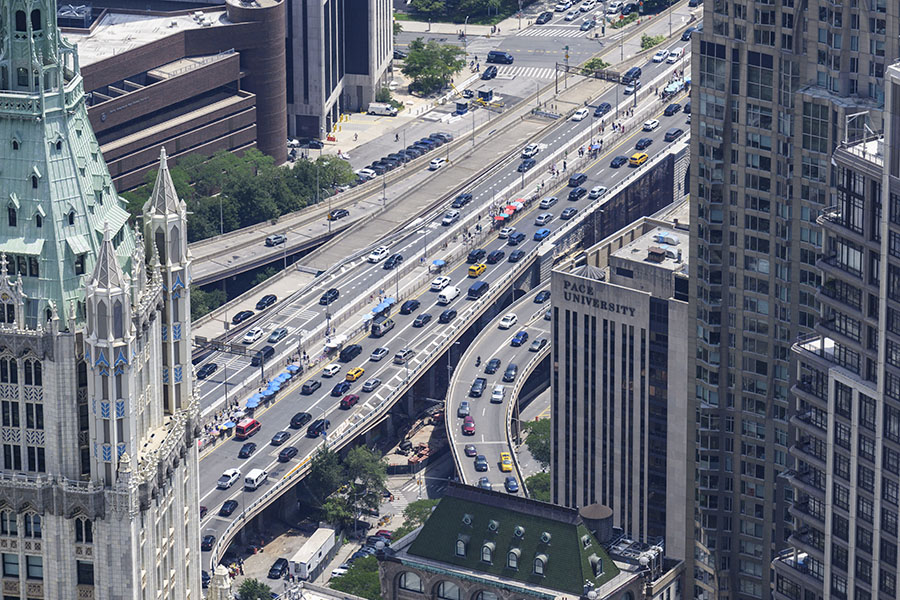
<point>382,108</point>
<point>312,557</point>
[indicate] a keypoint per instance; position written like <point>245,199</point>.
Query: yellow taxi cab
<point>505,462</point>
<point>355,373</point>
<point>638,158</point>
<point>476,270</point>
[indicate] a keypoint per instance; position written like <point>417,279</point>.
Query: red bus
<point>246,428</point>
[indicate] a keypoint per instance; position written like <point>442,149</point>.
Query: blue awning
<point>439,263</point>
<point>253,402</point>
<point>274,386</point>
<point>267,394</point>
<point>229,424</point>
<point>293,368</point>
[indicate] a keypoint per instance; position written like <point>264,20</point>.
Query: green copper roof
<point>58,192</point>
<point>533,528</point>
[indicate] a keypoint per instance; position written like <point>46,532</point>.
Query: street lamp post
<point>284,254</point>
<point>383,189</point>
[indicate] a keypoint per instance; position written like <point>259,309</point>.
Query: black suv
<point>577,194</point>
<point>476,256</point>
<point>300,419</point>
<point>262,356</point>
<point>489,73</point>
<point>350,352</point>
<point>602,109</point>
<point>318,427</point>
<point>241,317</point>
<point>409,306</point>
<point>461,200</point>
<point>393,261</point>
<point>329,297</point>
<point>279,569</point>
<point>543,18</point>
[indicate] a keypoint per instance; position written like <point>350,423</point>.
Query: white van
<point>436,164</point>
<point>254,479</point>
<point>675,54</point>
<point>448,294</point>
<point>382,108</point>
<point>614,7</point>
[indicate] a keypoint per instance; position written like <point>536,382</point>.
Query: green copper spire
<point>54,182</point>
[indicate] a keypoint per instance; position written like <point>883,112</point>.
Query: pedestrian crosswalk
<point>527,72</point>
<point>554,32</point>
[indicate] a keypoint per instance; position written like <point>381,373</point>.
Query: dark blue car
<point>519,339</point>
<point>340,389</point>
<point>618,162</point>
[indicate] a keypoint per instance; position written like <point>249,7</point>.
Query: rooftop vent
<point>467,519</point>
<point>519,531</point>
<point>545,537</point>
<point>493,525</point>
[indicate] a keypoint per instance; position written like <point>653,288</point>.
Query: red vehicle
<point>384,533</point>
<point>349,401</point>
<point>246,428</point>
<point>468,426</point>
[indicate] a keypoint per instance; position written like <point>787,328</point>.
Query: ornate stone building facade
<point>99,472</point>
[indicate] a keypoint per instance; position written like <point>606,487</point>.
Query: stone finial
<point>164,199</point>
<point>107,272</point>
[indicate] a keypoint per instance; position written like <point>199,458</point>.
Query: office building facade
<point>339,53</point>
<point>99,489</point>
<point>619,385</point>
<point>777,87</point>
<point>847,414</point>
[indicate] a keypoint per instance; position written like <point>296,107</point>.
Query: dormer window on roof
<point>585,541</point>
<point>487,552</point>
<point>596,565</point>
<point>512,558</point>
<point>462,543</point>
<point>540,564</point>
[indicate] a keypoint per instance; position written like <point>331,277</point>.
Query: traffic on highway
<point>319,404</point>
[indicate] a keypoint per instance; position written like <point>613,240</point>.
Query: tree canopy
<point>230,192</point>
<point>253,589</point>
<point>431,65</point>
<point>538,440</point>
<point>343,490</point>
<point>539,486</point>
<point>360,579</point>
<point>414,515</point>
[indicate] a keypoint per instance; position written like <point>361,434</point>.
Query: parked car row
<point>395,159</point>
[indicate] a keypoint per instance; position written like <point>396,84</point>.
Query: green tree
<point>594,65</point>
<point>398,28</point>
<point>366,472</point>
<point>431,65</point>
<point>538,440</point>
<point>539,486</point>
<point>203,302</point>
<point>429,8</point>
<point>414,515</point>
<point>360,579</point>
<point>263,276</point>
<point>338,511</point>
<point>326,474</point>
<point>253,589</point>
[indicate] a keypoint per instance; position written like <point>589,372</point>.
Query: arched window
<point>35,20</point>
<point>540,563</point>
<point>102,328</point>
<point>161,246</point>
<point>628,596</point>
<point>11,215</point>
<point>410,582</point>
<point>512,559</point>
<point>174,243</point>
<point>487,552</point>
<point>447,590</point>
<point>8,523</point>
<point>58,145</point>
<point>71,217</point>
<point>22,81</point>
<point>485,595</point>
<point>33,372</point>
<point>38,221</point>
<point>84,531</point>
<point>32,525</point>
<point>8,313</point>
<point>460,547</point>
<point>34,182</point>
<point>21,24</point>
<point>9,370</point>
<point>15,143</point>
<point>34,267</point>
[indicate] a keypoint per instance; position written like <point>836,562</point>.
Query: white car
<point>660,56</point>
<point>530,150</point>
<point>651,124</point>
<point>497,394</point>
<point>439,283</point>
<point>632,87</point>
<point>580,114</point>
<point>572,15</point>
<point>331,370</point>
<point>506,232</point>
<point>367,174</point>
<point>228,478</point>
<point>378,254</point>
<point>562,6</point>
<point>508,321</point>
<point>597,191</point>
<point>451,217</point>
<point>437,163</point>
<point>338,572</point>
<point>548,202</point>
<point>587,6</point>
<point>253,335</point>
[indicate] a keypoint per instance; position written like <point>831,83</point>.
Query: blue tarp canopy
<point>282,377</point>
<point>439,263</point>
<point>253,402</point>
<point>274,386</point>
<point>293,368</point>
<point>267,394</point>
<point>229,424</point>
<point>384,305</point>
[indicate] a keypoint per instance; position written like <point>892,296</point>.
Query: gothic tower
<point>98,481</point>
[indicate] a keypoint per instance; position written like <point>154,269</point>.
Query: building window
<point>34,182</point>
<point>12,456</point>
<point>32,525</point>
<point>540,563</point>
<point>35,20</point>
<point>79,264</point>
<point>10,565</point>
<point>447,590</point>
<point>410,582</point>
<point>36,460</point>
<point>84,533</point>
<point>460,547</point>
<point>487,553</point>
<point>34,415</point>
<point>33,372</point>
<point>34,566</point>
<point>38,221</point>
<point>8,524</point>
<point>85,572</point>
<point>71,217</point>
<point>11,216</point>
<point>21,23</point>
<point>512,559</point>
<point>485,595</point>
